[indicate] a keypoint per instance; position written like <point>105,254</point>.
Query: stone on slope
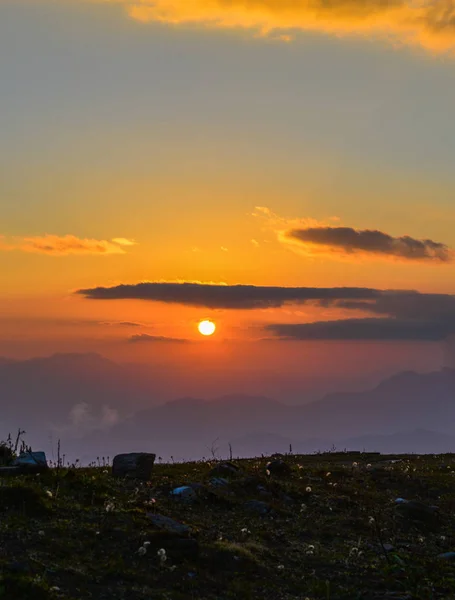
<point>168,524</point>
<point>279,468</point>
<point>136,465</point>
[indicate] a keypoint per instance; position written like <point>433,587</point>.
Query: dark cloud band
<point>246,297</point>
<point>365,329</point>
<point>350,241</point>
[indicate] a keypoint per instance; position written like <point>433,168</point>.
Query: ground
<point>329,529</point>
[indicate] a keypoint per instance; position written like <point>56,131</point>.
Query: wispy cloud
<point>349,241</point>
<point>55,245</point>
<point>156,339</point>
<point>429,24</point>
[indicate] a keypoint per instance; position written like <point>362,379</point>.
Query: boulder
<point>26,463</point>
<point>185,494</point>
<point>137,465</point>
<point>169,525</point>
<point>279,468</point>
<point>416,511</point>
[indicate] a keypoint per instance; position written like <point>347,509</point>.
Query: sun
<point>207,328</point>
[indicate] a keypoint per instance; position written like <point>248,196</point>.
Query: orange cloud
<point>64,245</point>
<point>427,23</point>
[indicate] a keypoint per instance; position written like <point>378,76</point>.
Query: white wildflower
<point>146,544</point>
<point>371,520</point>
<point>328,474</point>
<point>142,551</point>
<point>308,490</point>
<point>41,533</point>
<point>355,465</point>
<point>49,493</point>
<point>162,555</point>
<point>303,508</point>
<point>110,507</point>
<point>280,567</point>
<point>310,550</point>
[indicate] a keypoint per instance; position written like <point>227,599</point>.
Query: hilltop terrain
<point>328,527</point>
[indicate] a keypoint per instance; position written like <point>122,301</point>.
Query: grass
<point>333,533</point>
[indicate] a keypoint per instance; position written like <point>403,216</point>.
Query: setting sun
<point>207,328</point>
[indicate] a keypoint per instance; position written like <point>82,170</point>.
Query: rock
<point>185,494</point>
<point>137,465</point>
<point>447,556</point>
<point>417,511</point>
<point>261,508</point>
<point>219,482</point>
<point>279,468</point>
<point>31,462</point>
<point>225,469</point>
<point>169,525</point>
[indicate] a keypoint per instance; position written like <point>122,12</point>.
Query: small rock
<point>226,469</point>
<point>261,508</point>
<point>417,511</point>
<point>279,468</point>
<point>184,493</point>
<point>137,465</point>
<point>169,525</point>
<point>219,482</point>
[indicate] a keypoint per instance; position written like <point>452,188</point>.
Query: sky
<point>156,154</point>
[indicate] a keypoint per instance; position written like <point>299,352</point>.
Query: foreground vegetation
<point>329,529</point>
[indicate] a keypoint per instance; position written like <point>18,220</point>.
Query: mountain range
<point>98,407</point>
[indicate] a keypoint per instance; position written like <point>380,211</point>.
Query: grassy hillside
<point>329,529</point>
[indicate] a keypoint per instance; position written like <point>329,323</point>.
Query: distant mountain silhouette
<point>42,393</point>
<point>419,441</point>
<point>101,405</point>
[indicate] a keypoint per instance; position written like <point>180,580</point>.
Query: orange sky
<point>184,141</point>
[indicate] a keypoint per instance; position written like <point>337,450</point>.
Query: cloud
<point>349,241</point>
<point>365,329</point>
<point>407,305</point>
<point>236,297</point>
<point>121,324</point>
<point>143,337</point>
<point>54,245</point>
<point>429,24</point>
<point>390,314</point>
